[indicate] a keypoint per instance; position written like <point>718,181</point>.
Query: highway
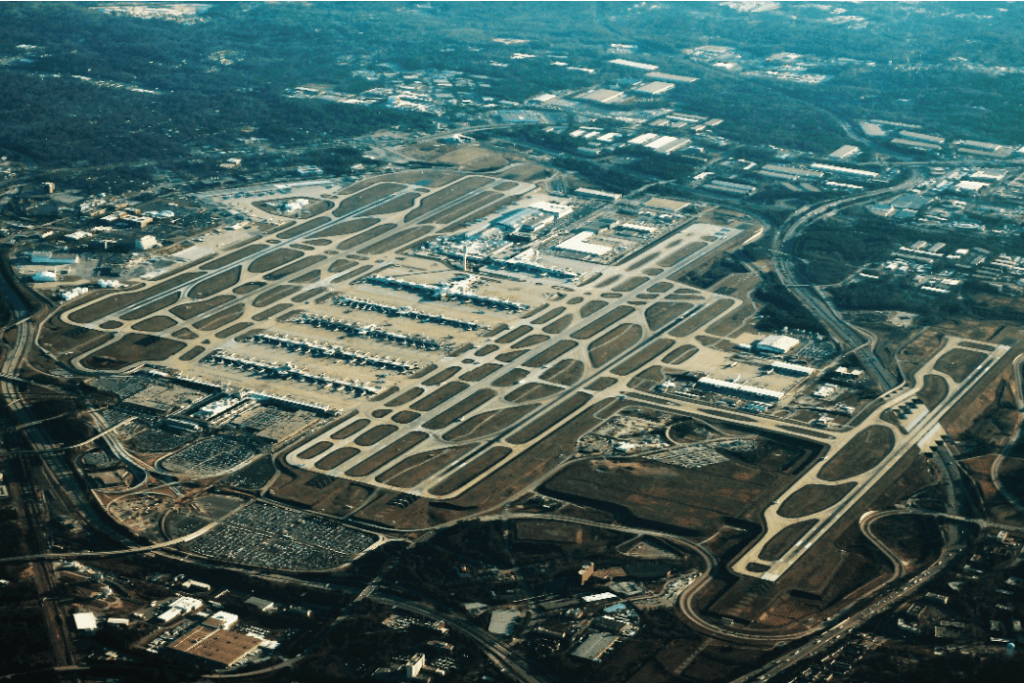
<point>820,306</point>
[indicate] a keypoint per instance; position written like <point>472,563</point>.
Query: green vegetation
<point>781,309</point>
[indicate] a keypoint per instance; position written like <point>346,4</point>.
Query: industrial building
<point>49,259</point>
<point>747,391</point>
<point>146,242</point>
<point>655,88</point>
<point>776,343</point>
<point>578,244</point>
<point>845,152</point>
<point>85,621</point>
<point>792,369</point>
<point>601,96</point>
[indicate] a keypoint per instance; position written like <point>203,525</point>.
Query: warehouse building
<point>739,390</point>
<point>776,343</point>
<point>578,244</point>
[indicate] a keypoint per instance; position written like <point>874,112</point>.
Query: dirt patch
<point>531,340</point>
<point>551,353</point>
<point>217,320</point>
<point>932,391</point>
<point>152,307</point>
<point>347,227</point>
<point>565,372</point>
<point>700,318</point>
<point>488,423</point>
<point>509,356</point>
<point>185,333</point>
<point>386,455</point>
<point>531,392</point>
<point>294,267</point>
<point>813,498</point>
<point>132,348</point>
<point>233,330</point>
<point>614,343</point>
<point>109,305</point>
<point>442,376</point>
<point>340,266</point>
<point>549,419</point>
<point>605,321</point>
<point>307,278</point>
<point>662,313</point>
<point>271,312</point>
<point>248,288</point>
<point>697,502</point>
<point>419,467</point>
<point>782,541</point>
<point>433,400</point>
<point>314,450</point>
<point>515,334</point>
<point>157,323</point>
<point>660,287</point>
<point>460,409</point>
<point>397,240</point>
<point>958,363</point>
<point>592,307</point>
<point>273,294</point>
<point>471,470</point>
<point>366,197</point>
<point>863,452</point>
<point>510,378</point>
<point>549,315</point>
<point>303,297</point>
<point>274,259</point>
<point>441,197</point>
<point>404,417</point>
<point>375,435</point>
<point>629,284</point>
<point>192,353</point>
<point>642,357</point>
<point>217,283</point>
<point>479,372</point>
<point>405,397</point>
<point>188,311</point>
<point>679,355</point>
<point>560,325</point>
<point>366,236</point>
<point>338,457</point>
<point>308,225</point>
<point>234,256</point>
<point>348,430</point>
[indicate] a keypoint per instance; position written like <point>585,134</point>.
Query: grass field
<point>813,498</point>
<point>958,363</point>
<point>863,452</point>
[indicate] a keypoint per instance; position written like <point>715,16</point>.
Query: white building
<point>85,621</point>
<point>49,259</point>
<point>578,244</point>
<point>777,343</point>
<point>45,276</point>
<point>146,242</point>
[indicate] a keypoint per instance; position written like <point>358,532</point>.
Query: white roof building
<point>578,244</point>
<point>85,621</point>
<point>187,604</point>
<point>146,242</point>
<point>777,343</point>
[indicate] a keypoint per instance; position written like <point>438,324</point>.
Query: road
<point>921,433</point>
<point>820,306</point>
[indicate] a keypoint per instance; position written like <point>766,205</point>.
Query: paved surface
<point>923,434</point>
